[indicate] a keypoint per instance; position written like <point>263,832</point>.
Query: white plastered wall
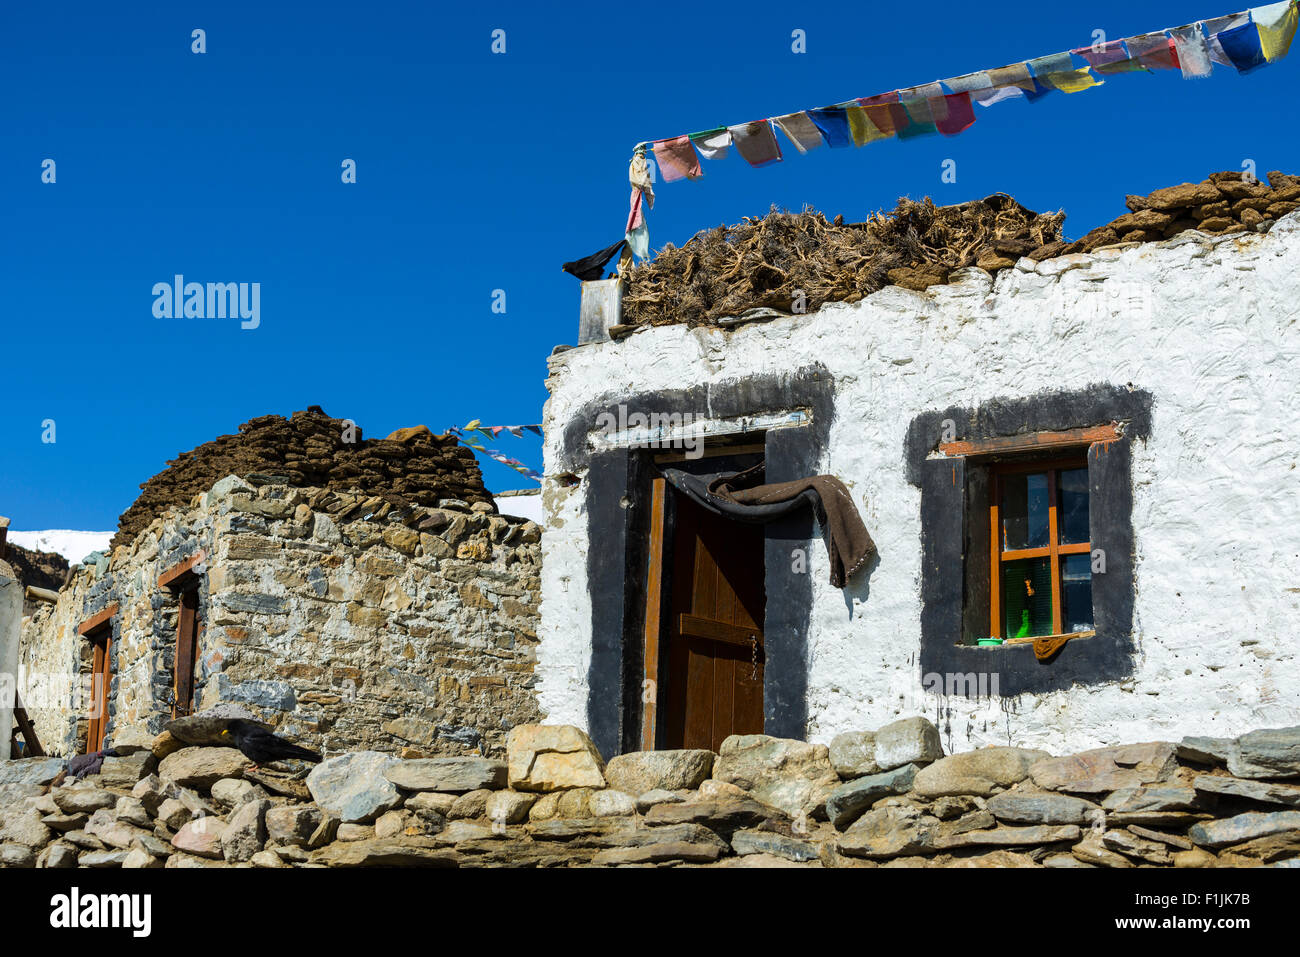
<point>1207,325</point>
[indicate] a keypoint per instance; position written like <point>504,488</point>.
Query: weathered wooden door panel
<point>715,654</point>
<point>187,639</point>
<point>99,679</point>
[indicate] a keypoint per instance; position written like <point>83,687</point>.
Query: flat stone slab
<point>725,814</point>
<point>1009,836</point>
<point>354,787</point>
<point>390,852</point>
<point>1107,769</point>
<point>1243,827</point>
<point>890,832</point>
<point>1171,797</point>
<point>1268,753</point>
<point>642,771</point>
<point>659,853</point>
<point>846,803</point>
<point>1262,791</point>
<point>1040,808</point>
<point>976,772</point>
<point>448,775</point>
<point>777,845</point>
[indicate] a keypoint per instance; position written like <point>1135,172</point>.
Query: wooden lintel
<point>97,621</point>
<point>1033,442</point>
<point>179,570</point>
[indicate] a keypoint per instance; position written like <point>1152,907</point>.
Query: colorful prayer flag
<point>800,130</point>
<point>1276,23</point>
<point>959,114</point>
<point>1193,51</point>
<point>677,159</point>
<point>756,143</point>
<point>1243,48</point>
<point>712,144</point>
<point>833,123</point>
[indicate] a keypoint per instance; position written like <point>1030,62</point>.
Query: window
<point>1038,489</point>
<point>182,580</point>
<point>1040,572</point>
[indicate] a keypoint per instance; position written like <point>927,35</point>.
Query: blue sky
<point>475,172</point>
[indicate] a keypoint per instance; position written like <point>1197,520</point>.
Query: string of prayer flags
<point>491,432</point>
<point>1244,41</point>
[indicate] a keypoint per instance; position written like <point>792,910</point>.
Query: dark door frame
<point>618,496</point>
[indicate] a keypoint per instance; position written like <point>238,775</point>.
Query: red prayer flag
<point>677,160</point>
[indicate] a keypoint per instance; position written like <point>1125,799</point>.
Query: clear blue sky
<point>476,172</point>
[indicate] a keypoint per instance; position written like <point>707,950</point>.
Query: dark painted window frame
<point>947,485</point>
<point>617,498</point>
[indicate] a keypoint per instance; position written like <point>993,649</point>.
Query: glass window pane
<point>1076,592</point>
<point>1072,502</point>
<point>1027,597</point>
<point>1024,511</point>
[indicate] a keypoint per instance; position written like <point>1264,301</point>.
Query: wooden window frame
<point>183,582</point>
<point>1052,551</point>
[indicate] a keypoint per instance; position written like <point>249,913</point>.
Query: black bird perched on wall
<point>260,745</point>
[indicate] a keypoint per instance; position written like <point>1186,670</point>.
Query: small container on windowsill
<point>989,641</point>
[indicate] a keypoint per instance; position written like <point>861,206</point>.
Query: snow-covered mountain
<point>72,545</point>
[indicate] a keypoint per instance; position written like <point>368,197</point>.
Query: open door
<point>713,605</point>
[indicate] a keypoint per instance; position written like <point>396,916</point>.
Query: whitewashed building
<point>1102,448</point>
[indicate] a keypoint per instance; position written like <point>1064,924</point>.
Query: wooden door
<point>715,633</point>
<point>99,678</point>
<point>187,640</point>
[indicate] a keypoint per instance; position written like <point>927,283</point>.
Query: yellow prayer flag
<point>1277,31</point>
<point>860,125</point>
<point>1074,81</point>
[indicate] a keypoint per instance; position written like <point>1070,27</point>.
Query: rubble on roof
<point>766,263</point>
<point>310,449</point>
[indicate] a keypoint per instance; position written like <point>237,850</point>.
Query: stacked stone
<point>311,449</point>
<point>348,621</point>
<point>1223,204</point>
<point>888,798</point>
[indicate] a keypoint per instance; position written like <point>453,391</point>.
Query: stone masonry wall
<point>888,798</point>
<point>393,628</point>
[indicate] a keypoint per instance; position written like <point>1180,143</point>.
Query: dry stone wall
<point>888,798</point>
<point>339,617</point>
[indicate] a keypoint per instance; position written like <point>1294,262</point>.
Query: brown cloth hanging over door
<point>743,496</point>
